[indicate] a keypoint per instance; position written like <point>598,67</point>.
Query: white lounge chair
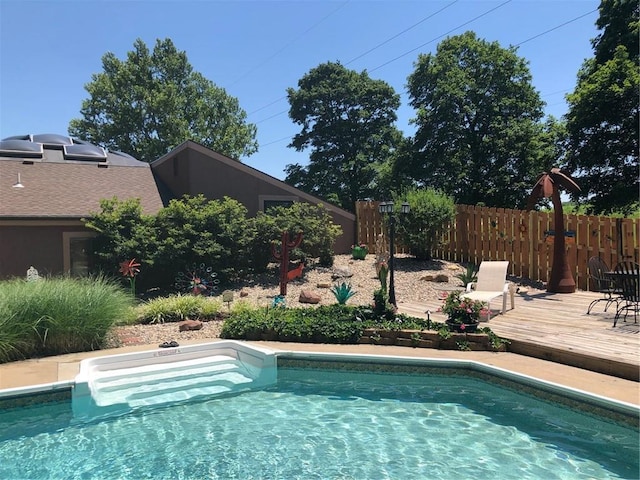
<point>492,283</point>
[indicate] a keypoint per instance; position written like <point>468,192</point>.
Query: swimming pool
<point>331,418</point>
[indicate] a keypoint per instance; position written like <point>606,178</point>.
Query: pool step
<point>158,384</point>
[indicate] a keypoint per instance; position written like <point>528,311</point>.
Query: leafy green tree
<point>151,102</point>
<point>603,116</point>
<point>430,212</point>
<point>477,123</point>
<point>347,120</point>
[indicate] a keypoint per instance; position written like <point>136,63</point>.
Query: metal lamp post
<point>387,208</point>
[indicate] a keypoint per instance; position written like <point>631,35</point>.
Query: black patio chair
<point>627,276</point>
<point>603,283</point>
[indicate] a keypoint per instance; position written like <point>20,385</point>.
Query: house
<point>191,169</point>
<point>49,182</point>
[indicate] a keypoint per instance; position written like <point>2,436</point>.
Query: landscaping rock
<point>341,272</point>
<point>309,296</point>
<point>188,325</point>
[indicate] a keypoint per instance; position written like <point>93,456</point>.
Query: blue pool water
<point>327,424</point>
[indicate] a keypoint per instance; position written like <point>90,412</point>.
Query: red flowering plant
<point>129,269</point>
<point>462,310</point>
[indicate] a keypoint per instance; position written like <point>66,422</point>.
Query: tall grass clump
<point>175,308</point>
<point>58,315</point>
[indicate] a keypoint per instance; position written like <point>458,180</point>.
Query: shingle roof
<point>56,187</point>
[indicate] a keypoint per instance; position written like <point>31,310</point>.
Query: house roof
<point>66,178</point>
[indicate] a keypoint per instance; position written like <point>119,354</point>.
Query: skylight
<point>84,152</point>
<point>13,147</point>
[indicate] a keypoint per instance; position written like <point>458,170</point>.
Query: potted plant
<point>359,252</point>
<point>463,313</point>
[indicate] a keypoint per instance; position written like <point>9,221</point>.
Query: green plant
<point>175,308</point>
<point>443,332</point>
<point>329,324</point>
<point>496,341</point>
<point>470,275</point>
<point>463,345</point>
<point>320,233</point>
<point>58,315</point>
<point>462,310</point>
<point>342,292</point>
<point>431,212</point>
<point>382,309</point>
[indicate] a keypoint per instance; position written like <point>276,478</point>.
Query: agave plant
<point>469,275</point>
<point>342,292</point>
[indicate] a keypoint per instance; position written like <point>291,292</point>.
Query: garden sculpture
<point>283,257</point>
<point>561,280</point>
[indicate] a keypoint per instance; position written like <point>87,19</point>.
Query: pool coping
<point>31,393</point>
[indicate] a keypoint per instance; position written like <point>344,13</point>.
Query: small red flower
<point>462,326</point>
<point>129,268</point>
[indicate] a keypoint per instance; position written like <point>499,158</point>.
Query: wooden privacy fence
<point>522,237</point>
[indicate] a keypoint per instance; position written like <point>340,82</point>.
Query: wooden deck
<point>555,327</point>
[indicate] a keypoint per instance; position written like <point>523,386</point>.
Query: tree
<point>548,186</point>
<point>477,123</point>
<point>347,120</point>
<point>603,116</point>
<point>150,103</point>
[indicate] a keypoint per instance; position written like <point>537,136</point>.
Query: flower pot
<point>462,327</point>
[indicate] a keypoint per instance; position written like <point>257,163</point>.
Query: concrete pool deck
<point>62,368</point>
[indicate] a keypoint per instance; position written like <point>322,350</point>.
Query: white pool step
<point>115,384</point>
<point>166,383</point>
<point>159,371</point>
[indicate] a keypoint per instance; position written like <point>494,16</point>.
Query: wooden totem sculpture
<point>283,257</point>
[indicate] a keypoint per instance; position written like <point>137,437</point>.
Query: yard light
<point>387,208</point>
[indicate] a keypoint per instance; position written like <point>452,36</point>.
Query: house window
<point>268,202</point>
<point>77,246</point>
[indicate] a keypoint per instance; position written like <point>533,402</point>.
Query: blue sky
<point>255,50</point>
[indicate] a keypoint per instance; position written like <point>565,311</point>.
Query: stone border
<point>430,339</point>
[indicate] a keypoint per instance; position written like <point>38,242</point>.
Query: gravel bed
<point>411,285</point>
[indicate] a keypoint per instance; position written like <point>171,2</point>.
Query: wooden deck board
<point>550,324</point>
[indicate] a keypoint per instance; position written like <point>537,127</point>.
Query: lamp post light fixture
<point>387,208</point>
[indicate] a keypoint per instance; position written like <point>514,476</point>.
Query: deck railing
<point>525,238</point>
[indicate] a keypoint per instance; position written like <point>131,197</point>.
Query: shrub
<point>216,233</point>
<point>58,315</point>
<point>330,324</point>
<point>431,212</point>
<point>319,232</point>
